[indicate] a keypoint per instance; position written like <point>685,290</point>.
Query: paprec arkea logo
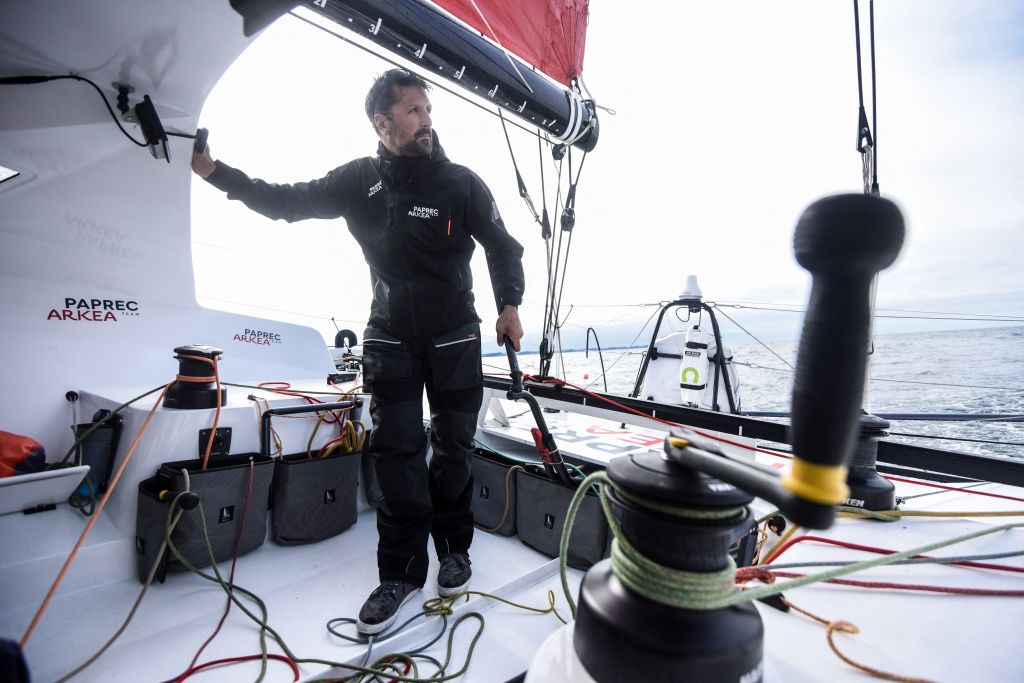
<point>258,337</point>
<point>94,310</point>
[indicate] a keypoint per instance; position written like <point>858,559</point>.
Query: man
<point>416,216</point>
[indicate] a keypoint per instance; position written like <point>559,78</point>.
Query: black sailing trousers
<point>421,501</point>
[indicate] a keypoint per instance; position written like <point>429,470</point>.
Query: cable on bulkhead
<point>33,80</point>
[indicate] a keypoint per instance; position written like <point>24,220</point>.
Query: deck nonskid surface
<point>303,587</point>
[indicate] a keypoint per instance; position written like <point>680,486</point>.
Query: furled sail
<point>425,35</point>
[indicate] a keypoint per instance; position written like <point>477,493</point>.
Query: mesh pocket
<point>541,507</point>
<point>494,496</point>
<point>314,498</point>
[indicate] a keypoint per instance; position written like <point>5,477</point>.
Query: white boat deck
<point>929,635</point>
<point>303,587</point>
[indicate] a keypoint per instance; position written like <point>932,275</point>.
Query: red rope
<point>285,389</point>
<point>882,551</point>
<point>405,672</point>
<point>231,578</point>
<point>538,440</point>
<point>914,586</point>
<point>953,488</point>
<point>235,660</point>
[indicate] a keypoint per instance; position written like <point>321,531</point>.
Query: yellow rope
<point>444,605</point>
<point>260,409</point>
<point>862,514</point>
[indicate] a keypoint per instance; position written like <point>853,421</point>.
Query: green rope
<point>775,589</point>
<point>360,672</point>
<point>654,581</point>
<point>707,590</point>
<point>102,421</point>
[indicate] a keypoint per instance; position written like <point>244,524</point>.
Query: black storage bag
<point>98,449</point>
<point>541,507</point>
<point>314,498</point>
<point>222,494</point>
<point>490,501</point>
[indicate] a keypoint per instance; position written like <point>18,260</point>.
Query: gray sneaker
<point>454,574</point>
<point>381,609</point>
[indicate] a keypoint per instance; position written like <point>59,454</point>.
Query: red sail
<point>547,34</point>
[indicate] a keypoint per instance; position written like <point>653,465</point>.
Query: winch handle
<point>553,464</point>
<point>843,240</point>
<point>513,366</point>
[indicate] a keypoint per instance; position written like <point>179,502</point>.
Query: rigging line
<point>590,97</point>
<point>659,303</point>
<point>874,102</point>
<point>856,29</point>
<point>769,349</point>
<point>545,221</point>
<point>431,80</point>
<point>958,438</point>
<point>799,308</point>
<point>613,320</point>
<point>561,285</point>
<point>935,493</point>
<point>498,43</point>
<point>554,258</point>
<point>896,381</point>
<point>963,317</point>
<point>864,141</point>
<point>569,206</point>
<point>519,178</point>
<point>627,351</point>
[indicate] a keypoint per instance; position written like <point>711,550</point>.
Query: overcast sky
<point>730,119</point>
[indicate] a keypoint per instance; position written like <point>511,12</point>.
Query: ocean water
<point>963,371</point>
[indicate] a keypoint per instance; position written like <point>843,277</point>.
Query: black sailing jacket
<point>415,219</point>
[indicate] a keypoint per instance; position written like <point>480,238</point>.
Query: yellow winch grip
<point>825,484</point>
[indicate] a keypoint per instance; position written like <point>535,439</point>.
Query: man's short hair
<point>382,95</point>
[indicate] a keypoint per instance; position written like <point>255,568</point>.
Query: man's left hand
<point>508,325</point>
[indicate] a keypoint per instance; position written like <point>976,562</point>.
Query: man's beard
<point>419,146</point>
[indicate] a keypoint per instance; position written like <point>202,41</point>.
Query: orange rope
<point>216,417</point>
<point>92,521</point>
<point>847,627</point>
<point>117,477</point>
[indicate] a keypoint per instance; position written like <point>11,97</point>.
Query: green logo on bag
<point>687,371</point>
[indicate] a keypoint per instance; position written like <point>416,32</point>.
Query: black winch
<point>195,387</point>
